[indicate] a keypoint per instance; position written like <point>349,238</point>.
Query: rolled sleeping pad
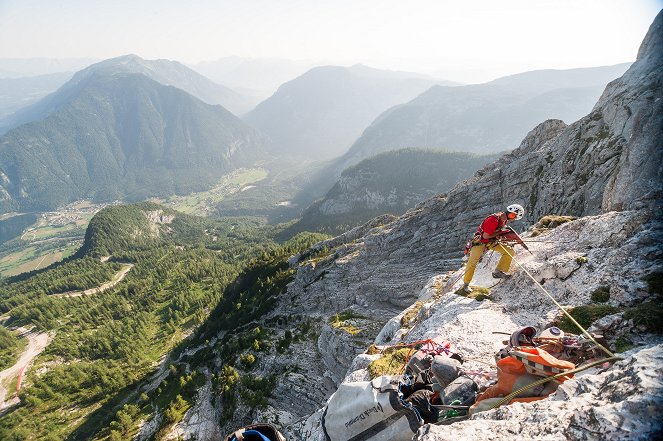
<point>445,370</point>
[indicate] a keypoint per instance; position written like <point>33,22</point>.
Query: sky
<point>468,41</point>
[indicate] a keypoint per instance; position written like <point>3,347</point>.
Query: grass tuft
<point>412,313</point>
<point>340,321</point>
<point>390,363</point>
<point>547,223</point>
<point>478,293</point>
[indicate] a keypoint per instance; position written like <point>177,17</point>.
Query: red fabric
<point>490,225</point>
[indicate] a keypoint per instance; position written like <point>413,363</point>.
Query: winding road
<point>36,344</point>
<point>117,278</point>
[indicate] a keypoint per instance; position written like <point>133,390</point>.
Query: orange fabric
<point>540,356</point>
<point>510,369</point>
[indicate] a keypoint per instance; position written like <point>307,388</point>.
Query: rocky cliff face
<point>571,262</point>
<point>373,272</point>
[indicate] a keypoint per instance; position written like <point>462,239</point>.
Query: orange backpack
<point>522,367</point>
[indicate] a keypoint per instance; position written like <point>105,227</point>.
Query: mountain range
<point>319,114</point>
<point>111,134</point>
<point>253,76</point>
<point>488,117</point>
<point>480,118</point>
<point>388,183</point>
<point>166,72</point>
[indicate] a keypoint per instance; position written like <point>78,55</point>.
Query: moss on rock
<point>585,315</point>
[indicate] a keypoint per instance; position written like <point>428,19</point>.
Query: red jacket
<point>489,226</point>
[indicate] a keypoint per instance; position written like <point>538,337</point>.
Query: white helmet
<point>517,209</point>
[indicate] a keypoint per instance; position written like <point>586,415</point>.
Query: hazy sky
<point>462,40</point>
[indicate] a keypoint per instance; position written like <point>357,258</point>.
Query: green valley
<point>94,380</point>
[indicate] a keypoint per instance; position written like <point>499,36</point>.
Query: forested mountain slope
<point>121,136</point>
<point>388,183</point>
<point>103,370</point>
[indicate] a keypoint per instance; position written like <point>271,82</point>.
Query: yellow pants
<point>477,251</point>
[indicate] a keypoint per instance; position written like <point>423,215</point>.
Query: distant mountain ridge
<point>320,113</point>
<point>166,72</point>
<point>488,117</point>
<point>16,93</point>
<point>120,136</point>
<point>260,75</point>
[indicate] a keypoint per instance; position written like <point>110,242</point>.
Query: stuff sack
<point>256,432</point>
<point>370,411</point>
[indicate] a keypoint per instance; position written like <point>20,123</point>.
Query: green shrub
<point>655,283</point>
<point>623,344</point>
<point>647,314</point>
<point>601,294</point>
<point>585,315</point>
<point>247,360</point>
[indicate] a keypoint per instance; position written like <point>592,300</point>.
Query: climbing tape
<point>514,394</point>
<point>608,353</point>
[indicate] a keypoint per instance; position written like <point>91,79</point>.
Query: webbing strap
<point>608,353</point>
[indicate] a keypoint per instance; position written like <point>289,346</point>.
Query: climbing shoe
<point>497,274</point>
<point>465,289</point>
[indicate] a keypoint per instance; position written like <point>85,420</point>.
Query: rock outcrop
<point>586,169</point>
<point>557,169</point>
<point>571,261</point>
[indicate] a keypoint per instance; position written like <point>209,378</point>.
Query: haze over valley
<point>222,214</point>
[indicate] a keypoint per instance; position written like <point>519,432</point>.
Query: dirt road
<point>117,278</point>
<point>36,344</point>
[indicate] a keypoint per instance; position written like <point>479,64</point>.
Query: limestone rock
<point>622,402</point>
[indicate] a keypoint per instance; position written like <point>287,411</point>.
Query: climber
<point>487,238</point>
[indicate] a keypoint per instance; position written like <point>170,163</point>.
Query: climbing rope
<point>600,346</point>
